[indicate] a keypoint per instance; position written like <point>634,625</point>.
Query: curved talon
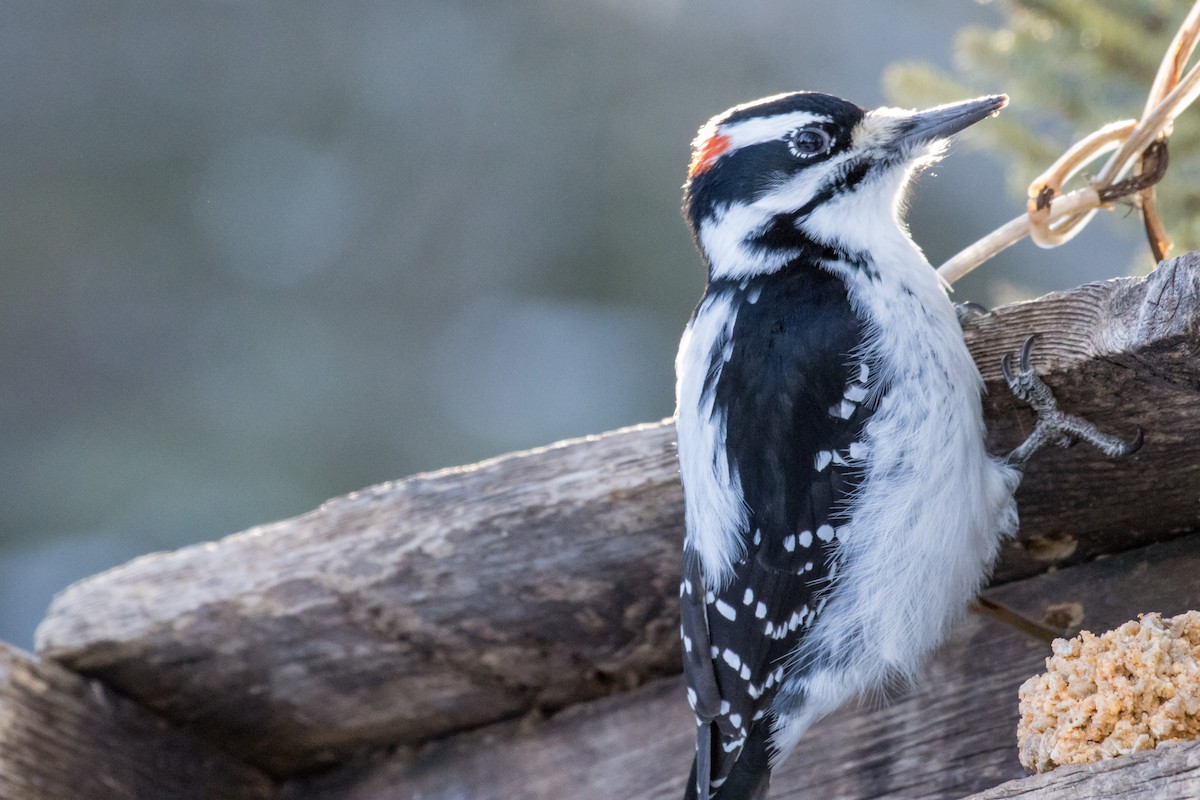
<point>1006,368</point>
<point>1139,439</point>
<point>1064,440</point>
<point>968,311</point>
<point>1026,350</point>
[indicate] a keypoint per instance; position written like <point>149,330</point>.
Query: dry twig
<point>1053,218</point>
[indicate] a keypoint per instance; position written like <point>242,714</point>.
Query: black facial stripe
<point>782,235</point>
<point>785,234</point>
<point>845,180</point>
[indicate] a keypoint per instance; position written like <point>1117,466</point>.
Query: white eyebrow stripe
<point>767,129</point>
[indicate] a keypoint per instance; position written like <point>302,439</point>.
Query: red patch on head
<point>707,153</point>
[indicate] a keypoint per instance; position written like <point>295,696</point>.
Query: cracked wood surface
<point>955,734</point>
<point>1171,772</point>
<point>416,609</point>
<point>63,737</point>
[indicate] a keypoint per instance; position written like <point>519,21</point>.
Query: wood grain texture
<point>416,609</point>
<point>952,736</point>
<point>63,737</point>
<point>1171,772</point>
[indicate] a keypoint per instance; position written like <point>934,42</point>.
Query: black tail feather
<point>750,776</point>
<point>701,764</point>
<point>691,792</point>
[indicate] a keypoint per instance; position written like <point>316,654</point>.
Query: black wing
<point>794,396</point>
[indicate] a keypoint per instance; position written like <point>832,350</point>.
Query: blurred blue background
<point>257,254</point>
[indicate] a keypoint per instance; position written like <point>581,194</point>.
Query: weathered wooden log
<point>954,735</point>
<point>1171,772</point>
<point>416,609</point>
<point>401,612</point>
<point>63,737</point>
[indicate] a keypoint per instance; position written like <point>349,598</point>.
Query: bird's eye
<point>808,142</point>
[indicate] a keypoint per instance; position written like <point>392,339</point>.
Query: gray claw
<point>968,311</point>
<point>1026,349</point>
<point>1006,369</point>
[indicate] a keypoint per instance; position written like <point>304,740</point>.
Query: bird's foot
<point>969,311</point>
<point>1053,426</point>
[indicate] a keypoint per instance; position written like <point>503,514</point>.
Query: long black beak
<point>944,121</point>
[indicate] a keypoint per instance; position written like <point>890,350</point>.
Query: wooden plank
<point>416,609</point>
<point>1171,772</point>
<point>63,737</point>
<point>954,735</point>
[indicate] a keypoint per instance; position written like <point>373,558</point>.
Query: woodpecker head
<point>809,173</point>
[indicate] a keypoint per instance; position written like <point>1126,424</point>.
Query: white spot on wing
<point>856,393</point>
<point>725,610</point>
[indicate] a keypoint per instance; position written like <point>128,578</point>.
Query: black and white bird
<point>841,508</point>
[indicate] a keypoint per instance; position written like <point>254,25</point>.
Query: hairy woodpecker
<point>841,508</point>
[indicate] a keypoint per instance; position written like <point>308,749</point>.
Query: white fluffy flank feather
<point>713,502</point>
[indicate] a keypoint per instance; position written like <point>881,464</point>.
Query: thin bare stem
<point>1052,218</point>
